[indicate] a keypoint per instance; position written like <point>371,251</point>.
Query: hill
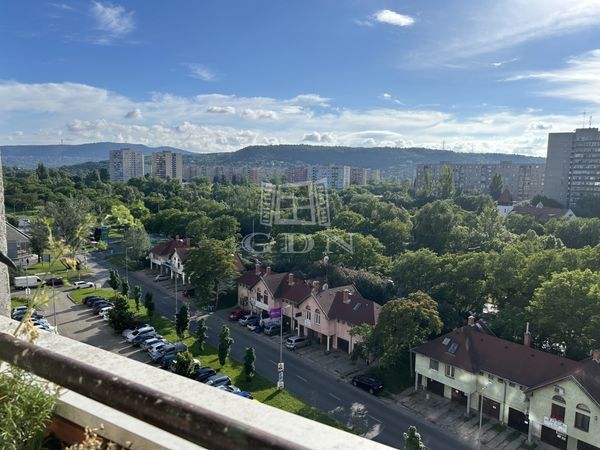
<point>29,156</point>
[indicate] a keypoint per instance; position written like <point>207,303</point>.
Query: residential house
<point>325,314</point>
<point>18,245</point>
<point>166,257</point>
<point>543,213</point>
<point>548,397</point>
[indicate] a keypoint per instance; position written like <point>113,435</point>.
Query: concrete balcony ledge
<point>152,408</point>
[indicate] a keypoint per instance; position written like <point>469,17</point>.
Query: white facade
<point>338,177</point>
<point>167,165</point>
<point>125,164</point>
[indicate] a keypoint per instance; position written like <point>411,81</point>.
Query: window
<point>558,412</point>
<point>266,299</point>
<point>449,371</point>
<point>582,422</point>
<point>434,365</point>
<point>583,407</point>
<point>308,314</point>
<point>490,376</point>
<point>318,317</point>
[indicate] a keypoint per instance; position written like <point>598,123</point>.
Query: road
<point>385,420</point>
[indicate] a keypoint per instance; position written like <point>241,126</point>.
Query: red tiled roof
<point>357,311</point>
<point>505,198</point>
<point>168,247</point>
<point>544,212</point>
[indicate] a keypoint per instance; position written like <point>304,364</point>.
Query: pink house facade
<point>324,314</point>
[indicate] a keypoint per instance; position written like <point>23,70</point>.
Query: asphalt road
<point>383,420</point>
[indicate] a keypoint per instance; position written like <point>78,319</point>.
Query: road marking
<point>273,361</point>
<point>302,378</point>
<point>375,419</point>
<point>335,396</point>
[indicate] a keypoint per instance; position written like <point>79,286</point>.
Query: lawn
<point>56,268</point>
<point>262,389</point>
<point>78,294</point>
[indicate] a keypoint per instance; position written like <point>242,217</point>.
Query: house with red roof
<point>310,309</point>
<point>169,257</point>
<point>546,396</point>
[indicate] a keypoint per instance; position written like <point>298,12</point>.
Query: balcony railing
<point>152,408</point>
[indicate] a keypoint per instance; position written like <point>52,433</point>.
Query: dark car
<point>92,301</point>
<point>253,323</point>
<point>165,362</point>
<point>55,281</point>
<point>237,314</point>
<point>204,373</point>
<point>189,292</point>
<point>142,337</point>
<point>373,385</point>
<point>218,380</point>
<point>244,394</point>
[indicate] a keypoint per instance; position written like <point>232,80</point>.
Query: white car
<point>132,335</point>
<point>83,284</point>
<point>104,312</point>
<point>161,276</point>
<point>157,346</point>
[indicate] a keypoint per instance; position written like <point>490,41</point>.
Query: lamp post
<point>487,385</point>
<point>127,265</point>
<point>280,365</point>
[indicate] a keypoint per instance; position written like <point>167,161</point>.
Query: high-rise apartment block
<point>167,164</point>
<point>124,164</point>
<point>338,177</point>
<point>573,165</point>
<point>524,181</point>
<point>296,174</point>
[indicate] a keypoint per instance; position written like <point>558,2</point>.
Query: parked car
<point>130,329</point>
<point>244,320</point>
<point>168,349</point>
<point>90,299</point>
<point>218,380</point>
<point>161,276</point>
<point>237,314</point>
<point>142,337</point>
<point>131,336</point>
<point>230,388</point>
<point>244,394</point>
<point>96,301</point>
<point>19,315</point>
<point>253,324</point>
<point>274,328</point>
<point>106,315</point>
<point>294,342</point>
<point>165,362</point>
<point>54,281</point>
<point>105,310</point>
<point>101,305</point>
<point>373,385</point>
<point>83,284</point>
<point>158,346</point>
<point>204,373</point>
<point>150,341</point>
<point>18,311</point>
<point>189,292</point>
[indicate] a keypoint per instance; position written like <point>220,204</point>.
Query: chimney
<point>316,285</point>
<point>527,337</point>
<point>290,279</point>
<point>471,320</point>
<point>268,270</point>
<point>596,355</point>
<point>346,296</point>
<point>257,269</point>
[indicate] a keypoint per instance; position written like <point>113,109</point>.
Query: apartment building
<point>524,181</point>
<point>124,164</point>
<point>167,165</point>
<point>296,174</point>
<point>548,397</point>
<point>573,165</point>
<point>338,177</point>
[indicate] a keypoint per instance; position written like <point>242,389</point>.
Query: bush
<point>120,317</point>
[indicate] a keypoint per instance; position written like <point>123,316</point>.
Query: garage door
<point>435,386</point>
<point>518,420</point>
<point>459,396</point>
<point>343,344</point>
<point>491,408</point>
<point>553,437</point>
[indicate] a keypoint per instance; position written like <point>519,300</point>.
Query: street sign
<point>280,385</point>
<point>280,377</point>
<point>280,367</point>
<point>274,313</point>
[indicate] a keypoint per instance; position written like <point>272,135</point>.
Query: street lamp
<point>487,385</point>
<point>127,265</point>
<point>280,365</point>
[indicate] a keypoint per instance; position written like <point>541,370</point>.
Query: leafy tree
<point>120,216</point>
<point>137,241</point>
<point>71,219</point>
<point>588,206</point>
<point>182,320</point>
<point>210,265</point>
<point>184,364</point>
<point>114,281</point>
<point>362,336</point>
<point>433,224</point>
<point>546,201</point>
<point>120,317</point>
<point>565,311</point>
<point>198,229</point>
<point>395,235</point>
<point>402,324</point>
<point>201,333</point>
<point>520,224</point>
<point>40,237</point>
<point>249,360</point>
<point>42,172</point>
<point>225,343</point>
<point>412,440</point>
<point>224,227</point>
<point>137,296</point>
<point>125,287</point>
<point>496,186</point>
<point>446,187</point>
<point>576,232</point>
<point>417,271</point>
<point>149,304</point>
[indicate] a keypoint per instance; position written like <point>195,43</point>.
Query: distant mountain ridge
<point>29,156</point>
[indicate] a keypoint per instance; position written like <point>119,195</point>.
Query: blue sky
<point>219,75</point>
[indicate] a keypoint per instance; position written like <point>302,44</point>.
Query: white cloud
<point>81,113</point>
<point>201,72</point>
<point>579,80</point>
<point>134,114</point>
<point>114,21</point>
<point>62,6</point>
<point>502,63</point>
<point>393,18</point>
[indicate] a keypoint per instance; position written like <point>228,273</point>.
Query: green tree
<point>149,304</point>
<point>201,333</point>
<point>225,227</point>
<point>137,296</point>
<point>395,235</point>
<point>249,363</point>
<point>71,220</point>
<point>184,364</point>
<point>588,206</point>
<point>120,317</point>
<point>114,281</point>
<point>225,343</point>
<point>120,216</point>
<point>125,287</point>
<point>402,324</point>
<point>565,311</point>
<point>42,172</point>
<point>137,242</point>
<point>434,222</point>
<point>182,320</point>
<point>412,440</point>
<point>496,186</point>
<point>40,237</point>
<point>198,230</point>
<point>446,187</point>
<point>210,265</point>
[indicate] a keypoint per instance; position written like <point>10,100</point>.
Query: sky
<point>212,76</point>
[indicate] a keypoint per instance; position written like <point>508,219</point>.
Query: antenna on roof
<point>583,119</point>
<point>590,121</point>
